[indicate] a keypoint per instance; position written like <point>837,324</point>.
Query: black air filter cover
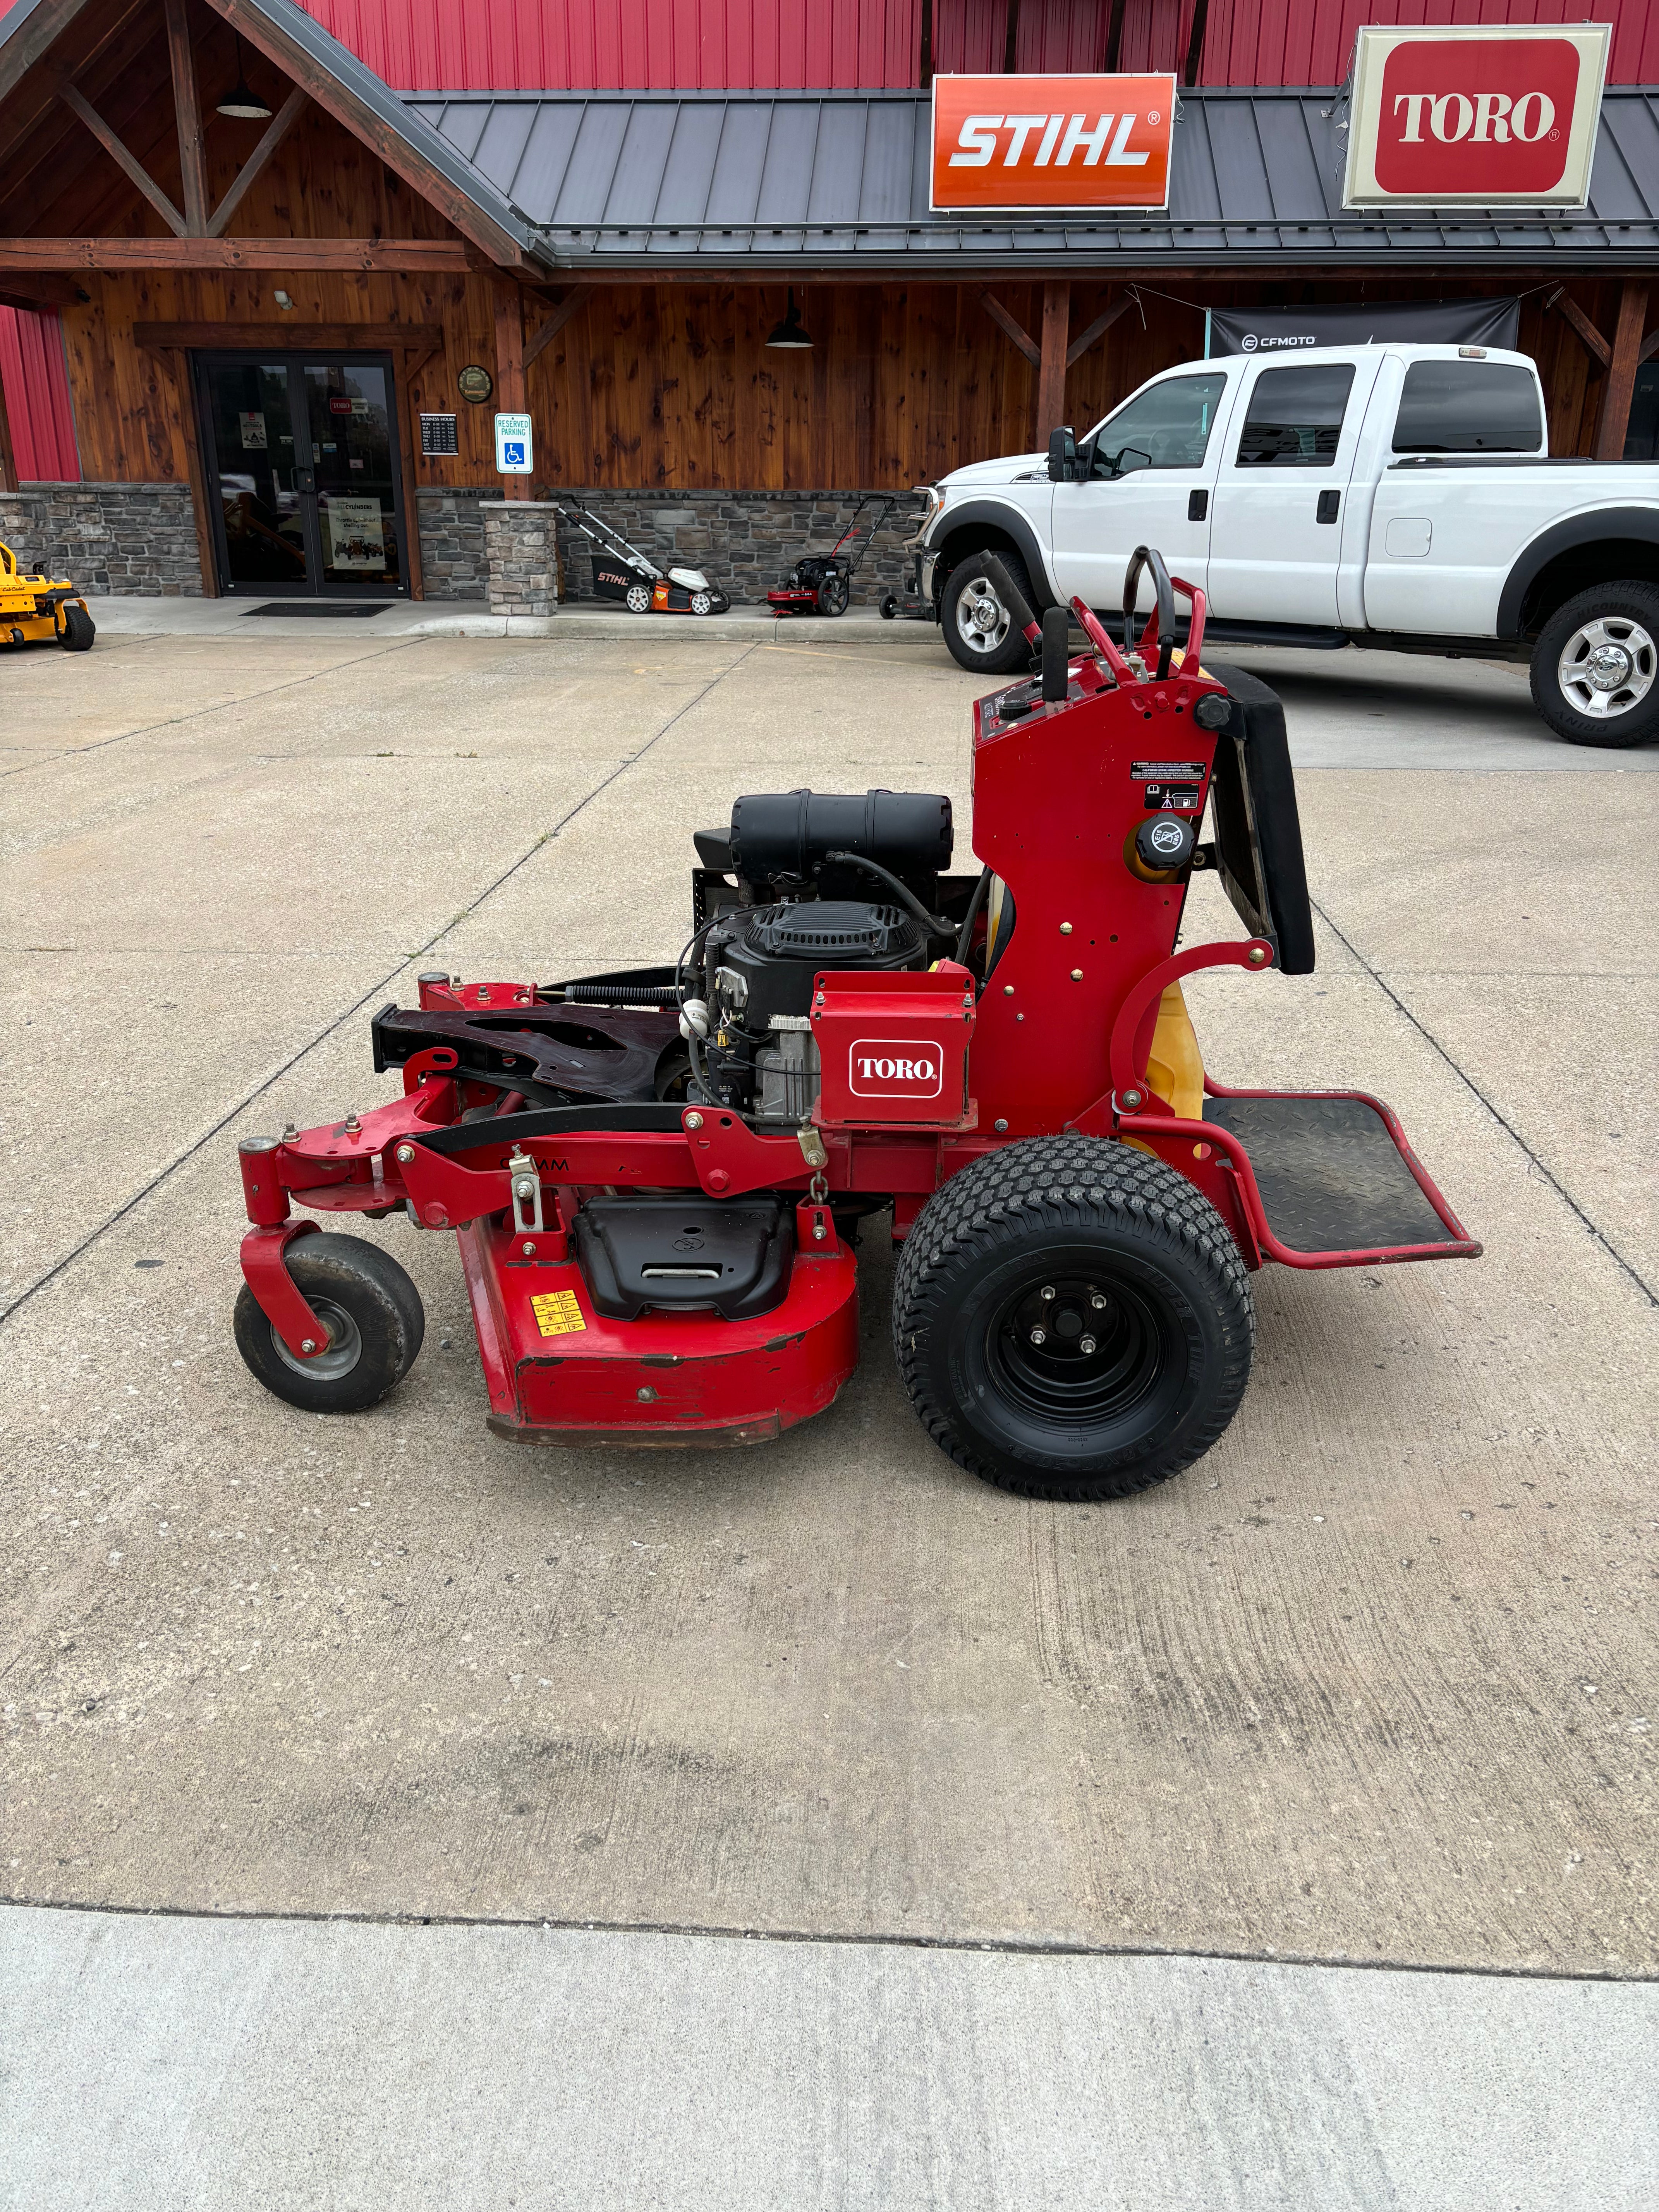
<point>787,833</point>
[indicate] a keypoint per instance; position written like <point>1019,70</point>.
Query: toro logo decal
<point>1052,142</point>
<point>1506,116</point>
<point>895,1068</point>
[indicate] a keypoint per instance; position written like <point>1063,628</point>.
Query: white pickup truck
<point>1399,496</point>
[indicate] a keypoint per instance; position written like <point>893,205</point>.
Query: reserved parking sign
<point>515,454</point>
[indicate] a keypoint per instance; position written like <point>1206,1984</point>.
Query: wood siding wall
<point>673,385</point>
<point>533,46</point>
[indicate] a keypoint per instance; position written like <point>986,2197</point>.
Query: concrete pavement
<point>1371,1682</point>
<point>189,2065</point>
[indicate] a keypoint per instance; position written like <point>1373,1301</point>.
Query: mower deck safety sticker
<point>557,1313</point>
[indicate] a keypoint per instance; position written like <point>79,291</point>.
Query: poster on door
<point>254,437</point>
<point>357,536</point>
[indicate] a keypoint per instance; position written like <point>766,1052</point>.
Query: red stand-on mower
<point>656,1177</point>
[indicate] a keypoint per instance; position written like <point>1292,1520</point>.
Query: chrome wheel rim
<point>982,621</point>
<point>345,1345</point>
<point>1608,667</point>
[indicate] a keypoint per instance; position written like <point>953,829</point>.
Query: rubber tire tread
<point>78,631</point>
<point>1640,603</point>
<point>1060,1183</point>
<point>380,1297</point>
<point>1015,651</point>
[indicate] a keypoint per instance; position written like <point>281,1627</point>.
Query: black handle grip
<point>1147,557</point>
<point>1012,597</point>
<point>1056,653</point>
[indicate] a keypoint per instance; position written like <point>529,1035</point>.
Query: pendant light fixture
<point>247,106</point>
<point>789,335</point>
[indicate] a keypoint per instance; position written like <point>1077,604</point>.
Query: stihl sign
<point>1052,142</point>
<point>1445,115</point>
<point>895,1068</point>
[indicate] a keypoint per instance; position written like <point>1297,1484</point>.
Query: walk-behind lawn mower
<point>656,1178</point>
<point>821,583</point>
<point>622,572</point>
<point>41,610</point>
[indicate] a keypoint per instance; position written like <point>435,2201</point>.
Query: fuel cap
<point>1164,841</point>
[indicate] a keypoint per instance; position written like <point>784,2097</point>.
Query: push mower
<point>821,583</point>
<point>657,1177</point>
<point>37,610</point>
<point>622,572</point>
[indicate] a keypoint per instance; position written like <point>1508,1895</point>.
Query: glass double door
<point>303,483</point>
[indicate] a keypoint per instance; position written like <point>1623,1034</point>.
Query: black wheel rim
<point>1086,1350</point>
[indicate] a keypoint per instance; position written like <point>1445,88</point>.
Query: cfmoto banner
<point>1404,322</point>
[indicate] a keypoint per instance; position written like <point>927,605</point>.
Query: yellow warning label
<point>556,1313</point>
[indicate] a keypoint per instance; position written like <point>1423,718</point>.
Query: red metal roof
<point>739,45</point>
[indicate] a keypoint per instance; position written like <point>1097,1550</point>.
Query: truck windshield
<point>1167,428</point>
<point>1295,415</point>
<point>1469,407</point>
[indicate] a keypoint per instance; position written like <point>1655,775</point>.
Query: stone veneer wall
<point>141,538</point>
<point>133,538</point>
<point>744,541</point>
<point>518,550</point>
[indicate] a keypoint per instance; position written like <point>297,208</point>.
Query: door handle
<point>1329,501</point>
<point>1197,506</point>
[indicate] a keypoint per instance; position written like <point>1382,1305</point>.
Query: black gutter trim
<point>1641,522</point>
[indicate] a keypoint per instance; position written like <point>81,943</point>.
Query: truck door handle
<point>1197,506</point>
<point>1328,503</point>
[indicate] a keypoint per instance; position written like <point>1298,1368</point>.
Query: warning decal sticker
<point>557,1313</point>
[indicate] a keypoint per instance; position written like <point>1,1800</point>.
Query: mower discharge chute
<point>622,572</point>
<point>656,1178</point>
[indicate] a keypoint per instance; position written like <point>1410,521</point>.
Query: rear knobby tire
<point>373,1316</point>
<point>1595,666</point>
<point>1091,1244</point>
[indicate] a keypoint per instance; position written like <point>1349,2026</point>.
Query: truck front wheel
<point>978,627</point>
<point>1595,666</point>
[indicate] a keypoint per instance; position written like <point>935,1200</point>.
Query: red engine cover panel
<point>894,1048</point>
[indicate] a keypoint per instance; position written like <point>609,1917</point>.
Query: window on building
<point>1296,417</point>
<point>1167,428</point>
<point>1469,407</point>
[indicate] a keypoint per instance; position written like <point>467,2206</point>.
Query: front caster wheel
<point>371,1310</point>
<point>1072,1320</point>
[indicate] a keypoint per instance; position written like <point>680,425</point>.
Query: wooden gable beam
<point>27,45</point>
<point>187,109</point>
<point>337,100</point>
<point>258,160</point>
<point>1005,323</point>
<point>1096,331</point>
<point>84,112</point>
<point>43,292</point>
<point>547,332</point>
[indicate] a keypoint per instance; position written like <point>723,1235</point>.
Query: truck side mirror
<point>1062,456</point>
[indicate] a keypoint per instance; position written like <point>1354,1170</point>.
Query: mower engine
<point>801,860</point>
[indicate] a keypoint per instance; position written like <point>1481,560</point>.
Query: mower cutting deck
<point>657,1177</point>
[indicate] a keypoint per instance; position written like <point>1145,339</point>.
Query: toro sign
<point>1449,114</point>
<point>1052,142</point>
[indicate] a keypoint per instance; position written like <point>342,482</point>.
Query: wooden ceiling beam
<point>82,108</point>
<point>41,291</point>
<point>123,63</point>
<point>394,148</point>
<point>28,45</point>
<point>251,171</point>
<point>187,111</point>
<point>408,256</point>
<point>425,338</point>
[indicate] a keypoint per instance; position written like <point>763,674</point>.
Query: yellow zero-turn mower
<point>34,610</point>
